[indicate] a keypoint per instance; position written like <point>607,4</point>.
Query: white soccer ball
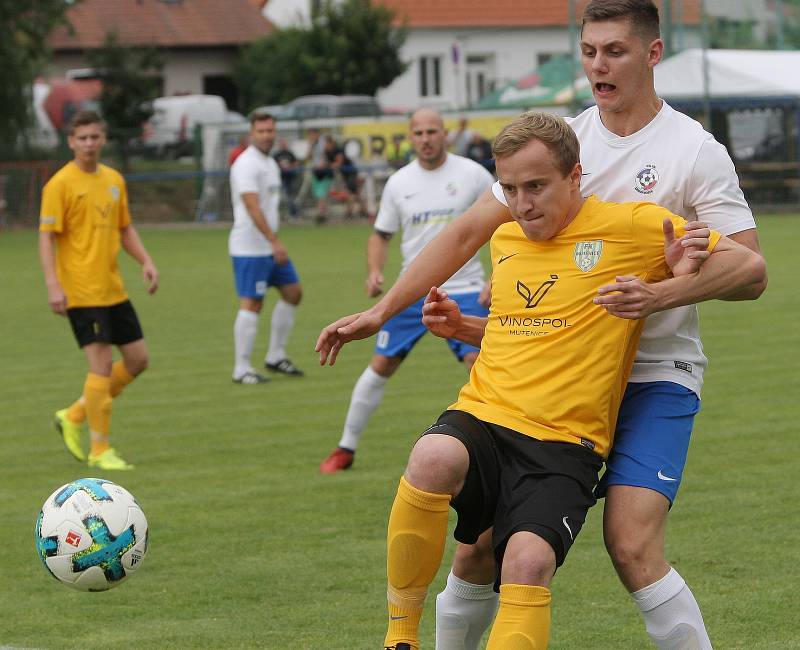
<point>91,534</point>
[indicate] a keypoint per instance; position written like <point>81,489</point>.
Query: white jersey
<point>258,173</point>
<point>675,163</point>
<point>422,202</point>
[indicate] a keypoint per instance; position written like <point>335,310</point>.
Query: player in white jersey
<point>259,258</point>
<point>419,200</point>
<point>633,146</point>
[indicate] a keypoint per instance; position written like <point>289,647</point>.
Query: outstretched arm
<point>437,262</point>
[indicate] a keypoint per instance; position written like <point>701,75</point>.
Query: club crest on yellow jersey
<point>587,254</point>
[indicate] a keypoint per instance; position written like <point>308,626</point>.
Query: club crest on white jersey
<point>646,179</point>
<point>587,254</point>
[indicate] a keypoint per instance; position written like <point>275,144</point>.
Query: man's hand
<point>57,300</point>
<point>440,314</point>
<point>374,284</point>
<point>628,297</point>
<point>150,276</point>
<point>685,255</point>
<point>279,252</point>
<point>348,328</point>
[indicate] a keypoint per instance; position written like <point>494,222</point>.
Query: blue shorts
<point>401,333</point>
<point>652,438</point>
<point>254,275</point>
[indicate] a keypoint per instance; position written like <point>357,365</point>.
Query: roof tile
<point>502,13</point>
<point>170,23</point>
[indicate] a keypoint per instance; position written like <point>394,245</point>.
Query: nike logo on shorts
<point>569,530</point>
<point>664,477</point>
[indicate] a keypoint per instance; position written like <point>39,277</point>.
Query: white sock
<point>464,611</point>
<point>367,396</point>
<point>280,328</point>
<point>671,614</point>
<point>245,329</point>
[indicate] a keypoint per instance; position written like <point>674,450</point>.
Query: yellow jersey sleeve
<point>647,227</point>
<point>51,215</point>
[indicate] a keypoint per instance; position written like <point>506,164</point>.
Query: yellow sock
<point>523,619</point>
<point>120,377</point>
<point>97,399</point>
<point>77,411</point>
<point>415,544</point>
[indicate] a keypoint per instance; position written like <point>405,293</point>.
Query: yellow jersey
<point>553,365</point>
<point>87,211</point>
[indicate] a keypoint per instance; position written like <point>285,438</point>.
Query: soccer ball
<point>91,534</point>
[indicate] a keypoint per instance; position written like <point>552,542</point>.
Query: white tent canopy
<point>731,74</point>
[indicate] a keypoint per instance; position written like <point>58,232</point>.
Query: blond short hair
<point>550,130</point>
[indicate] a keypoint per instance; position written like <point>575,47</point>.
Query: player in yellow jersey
<point>520,450</point>
<point>84,220</point>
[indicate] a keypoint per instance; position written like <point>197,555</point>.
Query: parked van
<point>310,107</point>
<point>171,127</point>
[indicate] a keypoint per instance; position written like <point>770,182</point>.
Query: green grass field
<point>252,548</point>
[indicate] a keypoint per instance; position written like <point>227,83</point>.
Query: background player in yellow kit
<point>84,220</point>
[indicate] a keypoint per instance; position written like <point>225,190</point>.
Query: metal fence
<point>163,188</point>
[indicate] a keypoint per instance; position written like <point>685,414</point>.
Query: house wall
<point>506,54</point>
<point>184,70</point>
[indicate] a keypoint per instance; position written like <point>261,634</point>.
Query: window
<point>479,77</point>
<point>430,76</point>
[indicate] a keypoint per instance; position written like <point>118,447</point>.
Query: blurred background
<point>177,79</point>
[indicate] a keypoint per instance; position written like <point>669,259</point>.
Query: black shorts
<point>117,324</point>
<point>518,483</point>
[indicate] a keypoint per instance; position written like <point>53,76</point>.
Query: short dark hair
<point>643,15</point>
<point>257,116</point>
<point>551,130</point>
<point>84,118</point>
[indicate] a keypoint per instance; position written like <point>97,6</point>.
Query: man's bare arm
<point>437,262</point>
<point>377,250</point>
<point>729,268</point>
<point>47,256</point>
<point>250,200</point>
<point>448,252</point>
<point>748,238</point>
<point>132,243</point>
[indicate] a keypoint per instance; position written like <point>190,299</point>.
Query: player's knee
<point>438,463</point>
<point>385,366</point>
<point>137,364</point>
<point>626,551</point>
<point>475,562</point>
<point>293,295</point>
<point>529,560</point>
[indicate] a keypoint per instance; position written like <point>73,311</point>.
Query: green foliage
<point>252,548</point>
<point>130,79</point>
<point>350,48</point>
<point>740,35</point>
<point>24,27</point>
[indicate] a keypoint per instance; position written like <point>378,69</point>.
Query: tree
<point>131,78</point>
<point>23,53</point>
<point>349,47</point>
